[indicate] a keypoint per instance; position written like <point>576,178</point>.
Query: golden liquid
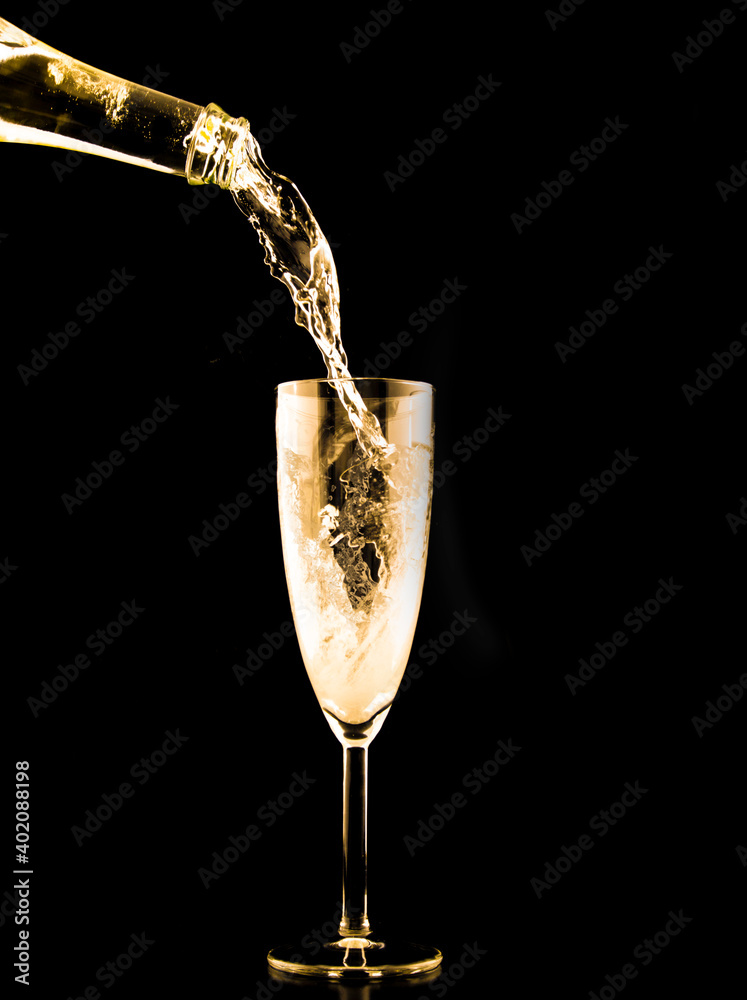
<point>356,595</point>
<point>298,254</point>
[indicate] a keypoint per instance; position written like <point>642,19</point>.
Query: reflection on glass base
<point>357,958</point>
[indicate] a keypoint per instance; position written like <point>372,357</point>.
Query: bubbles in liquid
<point>355,616</point>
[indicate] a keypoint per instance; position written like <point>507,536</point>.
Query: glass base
<point>357,958</point>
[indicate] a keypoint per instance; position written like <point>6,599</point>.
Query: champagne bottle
<point>50,99</point>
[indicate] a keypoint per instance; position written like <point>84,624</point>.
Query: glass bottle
<point>50,99</point>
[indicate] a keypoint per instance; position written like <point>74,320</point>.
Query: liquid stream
<point>298,254</point>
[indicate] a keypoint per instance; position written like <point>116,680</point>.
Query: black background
<point>495,347</point>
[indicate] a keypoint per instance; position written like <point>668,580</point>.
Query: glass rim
<point>354,378</point>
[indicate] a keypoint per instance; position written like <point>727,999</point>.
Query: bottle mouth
<point>214,144</point>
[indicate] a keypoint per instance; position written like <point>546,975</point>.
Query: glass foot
<point>357,958</point>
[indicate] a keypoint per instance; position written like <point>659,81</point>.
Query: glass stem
<point>354,922</point>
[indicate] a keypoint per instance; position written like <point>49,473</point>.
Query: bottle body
<point>48,98</point>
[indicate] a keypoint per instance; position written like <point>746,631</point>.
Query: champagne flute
<point>354,531</point>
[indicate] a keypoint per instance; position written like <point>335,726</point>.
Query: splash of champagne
<point>298,254</point>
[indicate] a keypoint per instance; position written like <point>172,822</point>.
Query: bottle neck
<point>48,98</point>
<point>215,147</point>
